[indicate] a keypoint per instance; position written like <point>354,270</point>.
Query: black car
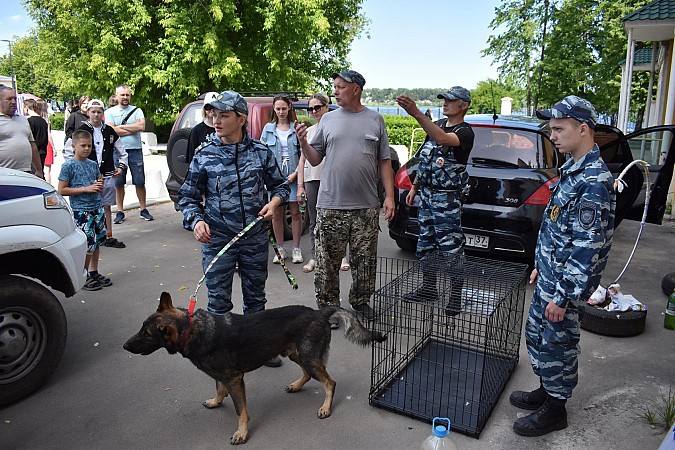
<point>512,165</point>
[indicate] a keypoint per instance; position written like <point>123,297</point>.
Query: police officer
<point>572,249</point>
<point>230,172</point>
<point>441,178</point>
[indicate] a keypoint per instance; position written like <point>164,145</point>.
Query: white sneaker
<point>282,252</point>
<point>297,255</point>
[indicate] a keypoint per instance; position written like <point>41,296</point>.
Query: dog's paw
<point>323,413</point>
<point>212,403</point>
<point>293,387</point>
<point>238,438</point>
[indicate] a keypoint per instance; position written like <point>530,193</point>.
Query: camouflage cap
<point>351,76</point>
<point>230,101</point>
<point>456,93</point>
<point>572,107</point>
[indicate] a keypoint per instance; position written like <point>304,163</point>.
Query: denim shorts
<point>137,169</point>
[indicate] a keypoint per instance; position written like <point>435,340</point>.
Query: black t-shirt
<point>40,130</point>
<point>198,135</point>
<point>464,133</point>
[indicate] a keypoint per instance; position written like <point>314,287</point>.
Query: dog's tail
<point>354,330</point>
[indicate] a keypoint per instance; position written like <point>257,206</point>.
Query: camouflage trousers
<point>440,218</point>
<point>553,347</point>
<point>250,252</point>
<point>335,228</point>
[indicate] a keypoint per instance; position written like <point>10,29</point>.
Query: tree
<point>170,51</point>
<point>579,44</point>
<point>30,77</point>
<point>520,48</point>
<point>486,98</point>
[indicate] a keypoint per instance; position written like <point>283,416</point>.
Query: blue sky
<point>428,43</point>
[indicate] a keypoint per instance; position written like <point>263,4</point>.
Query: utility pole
<point>11,67</point>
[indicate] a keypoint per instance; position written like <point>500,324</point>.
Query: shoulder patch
<point>587,213</point>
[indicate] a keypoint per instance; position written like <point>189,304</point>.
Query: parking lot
<point>105,398</point>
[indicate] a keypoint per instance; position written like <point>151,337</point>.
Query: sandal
<point>309,267</point>
<point>103,280</point>
<point>345,264</point>
<point>92,284</point>
<point>112,242</point>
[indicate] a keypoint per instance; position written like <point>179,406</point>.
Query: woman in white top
<point>280,137</point>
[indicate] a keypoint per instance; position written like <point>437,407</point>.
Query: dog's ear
<point>169,333</point>
<point>165,302</point>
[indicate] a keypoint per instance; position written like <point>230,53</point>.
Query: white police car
<point>40,248</point>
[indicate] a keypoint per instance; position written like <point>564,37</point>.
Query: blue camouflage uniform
<point>572,251</point>
<point>233,179</point>
<point>441,178</point>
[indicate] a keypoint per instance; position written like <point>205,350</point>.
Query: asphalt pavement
<point>102,397</point>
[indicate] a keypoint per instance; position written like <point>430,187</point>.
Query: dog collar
<point>191,311</point>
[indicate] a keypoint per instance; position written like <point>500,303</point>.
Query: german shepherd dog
<point>226,347</point>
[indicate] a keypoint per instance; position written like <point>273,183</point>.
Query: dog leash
<point>193,298</point>
<point>289,276</point>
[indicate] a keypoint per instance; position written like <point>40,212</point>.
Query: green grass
<point>661,414</point>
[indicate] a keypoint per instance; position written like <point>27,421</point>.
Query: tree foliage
<point>487,97</point>
<point>31,76</point>
<point>170,51</point>
<point>576,44</point>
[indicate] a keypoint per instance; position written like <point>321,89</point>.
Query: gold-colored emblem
<point>555,213</point>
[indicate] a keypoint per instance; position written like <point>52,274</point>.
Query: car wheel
<point>668,283</point>
<point>611,323</point>
<point>406,244</point>
<point>176,150</point>
<point>288,232</point>
<point>33,331</point>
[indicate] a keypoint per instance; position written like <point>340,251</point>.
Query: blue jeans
<point>136,166</point>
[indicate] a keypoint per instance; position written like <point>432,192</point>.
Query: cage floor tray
<point>444,380</point>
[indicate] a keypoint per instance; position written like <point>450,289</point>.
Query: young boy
<point>106,144</point>
<point>81,180</point>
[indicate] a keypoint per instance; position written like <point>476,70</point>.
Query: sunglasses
<point>315,109</point>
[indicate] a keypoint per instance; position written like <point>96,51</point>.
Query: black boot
<point>528,400</point>
<point>551,416</point>
<point>427,292</point>
<point>454,305</point>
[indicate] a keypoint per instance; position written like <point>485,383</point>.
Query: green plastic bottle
<point>669,320</point>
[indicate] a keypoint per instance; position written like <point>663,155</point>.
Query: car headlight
<point>54,200</point>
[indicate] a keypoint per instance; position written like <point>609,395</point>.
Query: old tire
<point>611,323</point>
<point>668,283</point>
<point>33,331</point>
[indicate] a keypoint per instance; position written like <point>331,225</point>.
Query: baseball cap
<point>351,76</point>
<point>230,101</point>
<point>456,93</point>
<point>210,97</point>
<point>572,107</point>
<point>93,103</point>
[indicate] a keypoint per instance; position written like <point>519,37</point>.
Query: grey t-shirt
<point>15,138</point>
<point>352,143</point>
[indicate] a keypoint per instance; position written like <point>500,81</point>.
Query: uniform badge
<point>555,213</point>
<point>440,162</point>
<point>587,212</point>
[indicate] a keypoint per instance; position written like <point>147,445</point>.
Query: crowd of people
<point>26,144</point>
<point>333,167</point>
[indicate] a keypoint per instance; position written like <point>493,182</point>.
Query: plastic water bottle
<point>669,320</point>
<point>440,439</point>
<point>303,205</point>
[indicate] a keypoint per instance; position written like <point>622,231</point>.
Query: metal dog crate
<point>438,365</point>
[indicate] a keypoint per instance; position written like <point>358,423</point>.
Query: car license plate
<point>474,240</point>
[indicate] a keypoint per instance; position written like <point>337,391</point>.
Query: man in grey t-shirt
<point>353,140</point>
